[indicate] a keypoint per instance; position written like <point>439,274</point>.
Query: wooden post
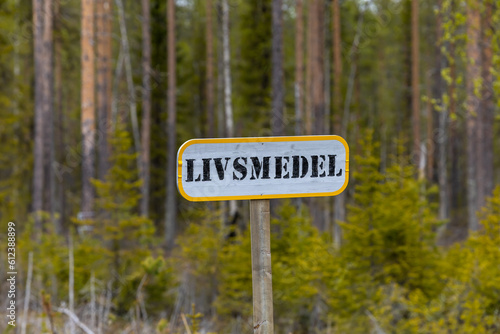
<point>261,267</point>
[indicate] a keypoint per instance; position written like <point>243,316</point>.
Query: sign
<point>262,168</point>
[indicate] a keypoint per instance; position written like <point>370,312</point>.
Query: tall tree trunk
<point>455,184</point>
<point>146,106</point>
<point>337,66</point>
<point>48,106</point>
<point>442,135</point>
<point>315,109</point>
<point>473,54</point>
<point>58,120</point>
<point>299,66</point>
<point>226,54</point>
<point>308,118</point>
<point>171,208</point>
<point>38,170</point>
<point>415,83</point>
<point>88,107</point>
<point>278,89</point>
<point>339,125</point>
<point>210,72</point>
<point>484,164</point>
<point>104,84</point>
<point>316,58</point>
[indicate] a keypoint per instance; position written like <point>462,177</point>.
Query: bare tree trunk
<point>88,107</point>
<point>485,129</point>
<point>442,135</point>
<point>48,106</point>
<point>278,89</point>
<point>316,58</point>
<point>226,53</point>
<point>310,42</point>
<point>210,71</point>
<point>27,294</point>
<point>38,170</point>
<point>146,107</point>
<point>299,66</point>
<point>473,53</point>
<point>71,283</point>
<point>415,82</point>
<point>337,65</point>
<point>339,200</point>
<point>171,208</point>
<point>130,81</point>
<point>58,123</point>
<point>104,70</point>
<point>429,169</point>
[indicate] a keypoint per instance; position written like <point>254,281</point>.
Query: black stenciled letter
<point>206,169</point>
<point>257,166</point>
<point>305,166</point>
<point>220,169</point>
<point>322,166</point>
<point>285,167</point>
<point>190,170</point>
<point>314,171</point>
<point>331,164</point>
<point>279,166</point>
<point>239,168</point>
<point>296,166</point>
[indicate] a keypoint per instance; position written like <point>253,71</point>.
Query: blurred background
<point>96,96</point>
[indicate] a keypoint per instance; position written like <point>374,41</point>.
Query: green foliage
<point>299,256</point>
<point>388,242</point>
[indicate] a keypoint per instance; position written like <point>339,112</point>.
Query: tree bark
<point>316,59</point>
<point>415,83</point>
<point>146,107</point>
<point>442,134</point>
<point>299,66</point>
<point>484,164</point>
<point>278,89</point>
<point>48,108</point>
<point>171,207</point>
<point>104,85</point>
<point>226,54</point>
<point>473,54</point>
<point>88,107</point>
<point>38,170</point>
<point>337,66</point>
<point>210,71</point>
<point>339,200</point>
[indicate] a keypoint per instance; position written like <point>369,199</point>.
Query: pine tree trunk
<point>299,66</point>
<point>38,170</point>
<point>485,127</point>
<point>104,85</point>
<point>339,126</point>
<point>88,106</point>
<point>226,54</point>
<point>48,106</point>
<point>171,207</point>
<point>278,89</point>
<point>415,83</point>
<point>210,72</point>
<point>337,66</point>
<point>58,121</point>
<point>442,135</point>
<point>318,77</point>
<point>473,54</point>
<point>146,107</point>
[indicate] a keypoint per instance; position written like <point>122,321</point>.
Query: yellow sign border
<point>258,140</point>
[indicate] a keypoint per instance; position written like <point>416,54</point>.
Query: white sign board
<point>261,168</point>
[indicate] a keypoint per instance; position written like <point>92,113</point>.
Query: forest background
<point>97,95</point>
